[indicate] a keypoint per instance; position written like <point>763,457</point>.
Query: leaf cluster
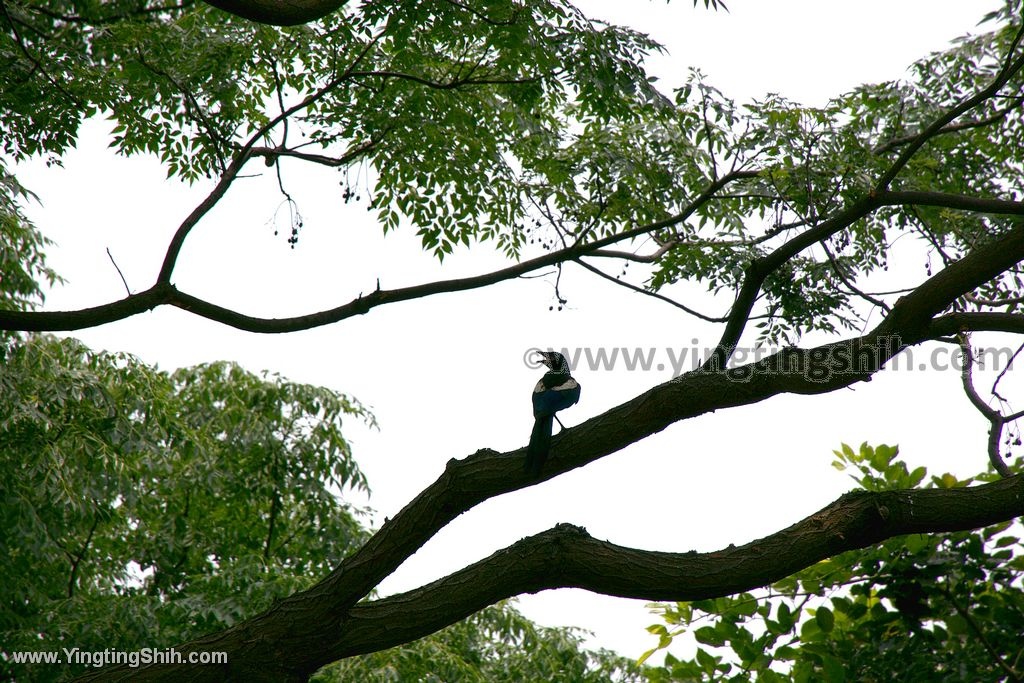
<point>495,644</point>
<point>813,162</point>
<point>529,122</point>
<point>143,508</point>
<point>941,607</point>
<point>444,104</point>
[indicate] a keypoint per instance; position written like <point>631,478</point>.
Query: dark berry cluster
<point>293,239</point>
<point>532,230</point>
<point>349,195</point>
<point>561,303</point>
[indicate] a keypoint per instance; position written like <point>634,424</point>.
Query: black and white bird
<point>555,391</point>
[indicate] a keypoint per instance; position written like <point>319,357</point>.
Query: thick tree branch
<point>961,202</point>
<point>951,324</point>
<point>311,627</point>
<point>913,314</point>
<point>333,619</point>
<point>163,293</point>
<point>759,269</point>
<point>486,474</point>
<point>566,556</point>
<point>279,12</point>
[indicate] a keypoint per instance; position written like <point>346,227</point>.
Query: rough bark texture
<point>278,12</point>
<point>315,627</point>
<point>305,632</point>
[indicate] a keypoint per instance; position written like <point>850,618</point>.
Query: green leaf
<point>709,635</point>
<point>917,476</point>
<point>833,668</point>
<point>825,619</point>
<point>706,661</point>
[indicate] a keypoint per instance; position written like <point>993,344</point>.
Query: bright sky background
<point>445,375</point>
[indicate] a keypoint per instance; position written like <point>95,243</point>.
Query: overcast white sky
<point>445,375</point>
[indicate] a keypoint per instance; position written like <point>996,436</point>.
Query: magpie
<point>555,391</point>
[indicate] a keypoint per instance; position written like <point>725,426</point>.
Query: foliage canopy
<point>936,607</point>
<point>143,508</point>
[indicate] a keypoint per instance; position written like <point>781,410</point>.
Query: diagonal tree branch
<point>240,158</point>
<point>279,12</point>
<point>333,619</point>
<point>646,292</point>
<point>486,474</point>
<point>995,418</point>
<point>316,625</point>
<point>566,556</point>
<point>951,324</point>
<point>759,269</point>
<point>998,116</point>
<point>164,293</point>
<point>1010,66</point>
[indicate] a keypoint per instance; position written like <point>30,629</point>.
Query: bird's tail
<point>540,444</point>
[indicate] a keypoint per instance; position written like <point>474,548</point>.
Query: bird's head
<point>554,360</point>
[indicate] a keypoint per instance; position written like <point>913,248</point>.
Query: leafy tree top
<point>922,607</point>
<point>510,121</point>
<point>448,103</point>
<point>142,508</point>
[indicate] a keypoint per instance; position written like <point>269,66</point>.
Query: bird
<point>555,391</point>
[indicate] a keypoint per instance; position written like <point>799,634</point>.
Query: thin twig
<point>641,290</point>
<point>994,303</point>
<point>952,128</point>
<point>1003,372</point>
<point>125,282</point>
<point>842,276</point>
<point>241,156</point>
<point>73,577</point>
<point>995,418</point>
<point>973,624</point>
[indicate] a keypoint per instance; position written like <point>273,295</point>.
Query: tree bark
<point>327,622</point>
<point>279,12</point>
<point>302,633</point>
